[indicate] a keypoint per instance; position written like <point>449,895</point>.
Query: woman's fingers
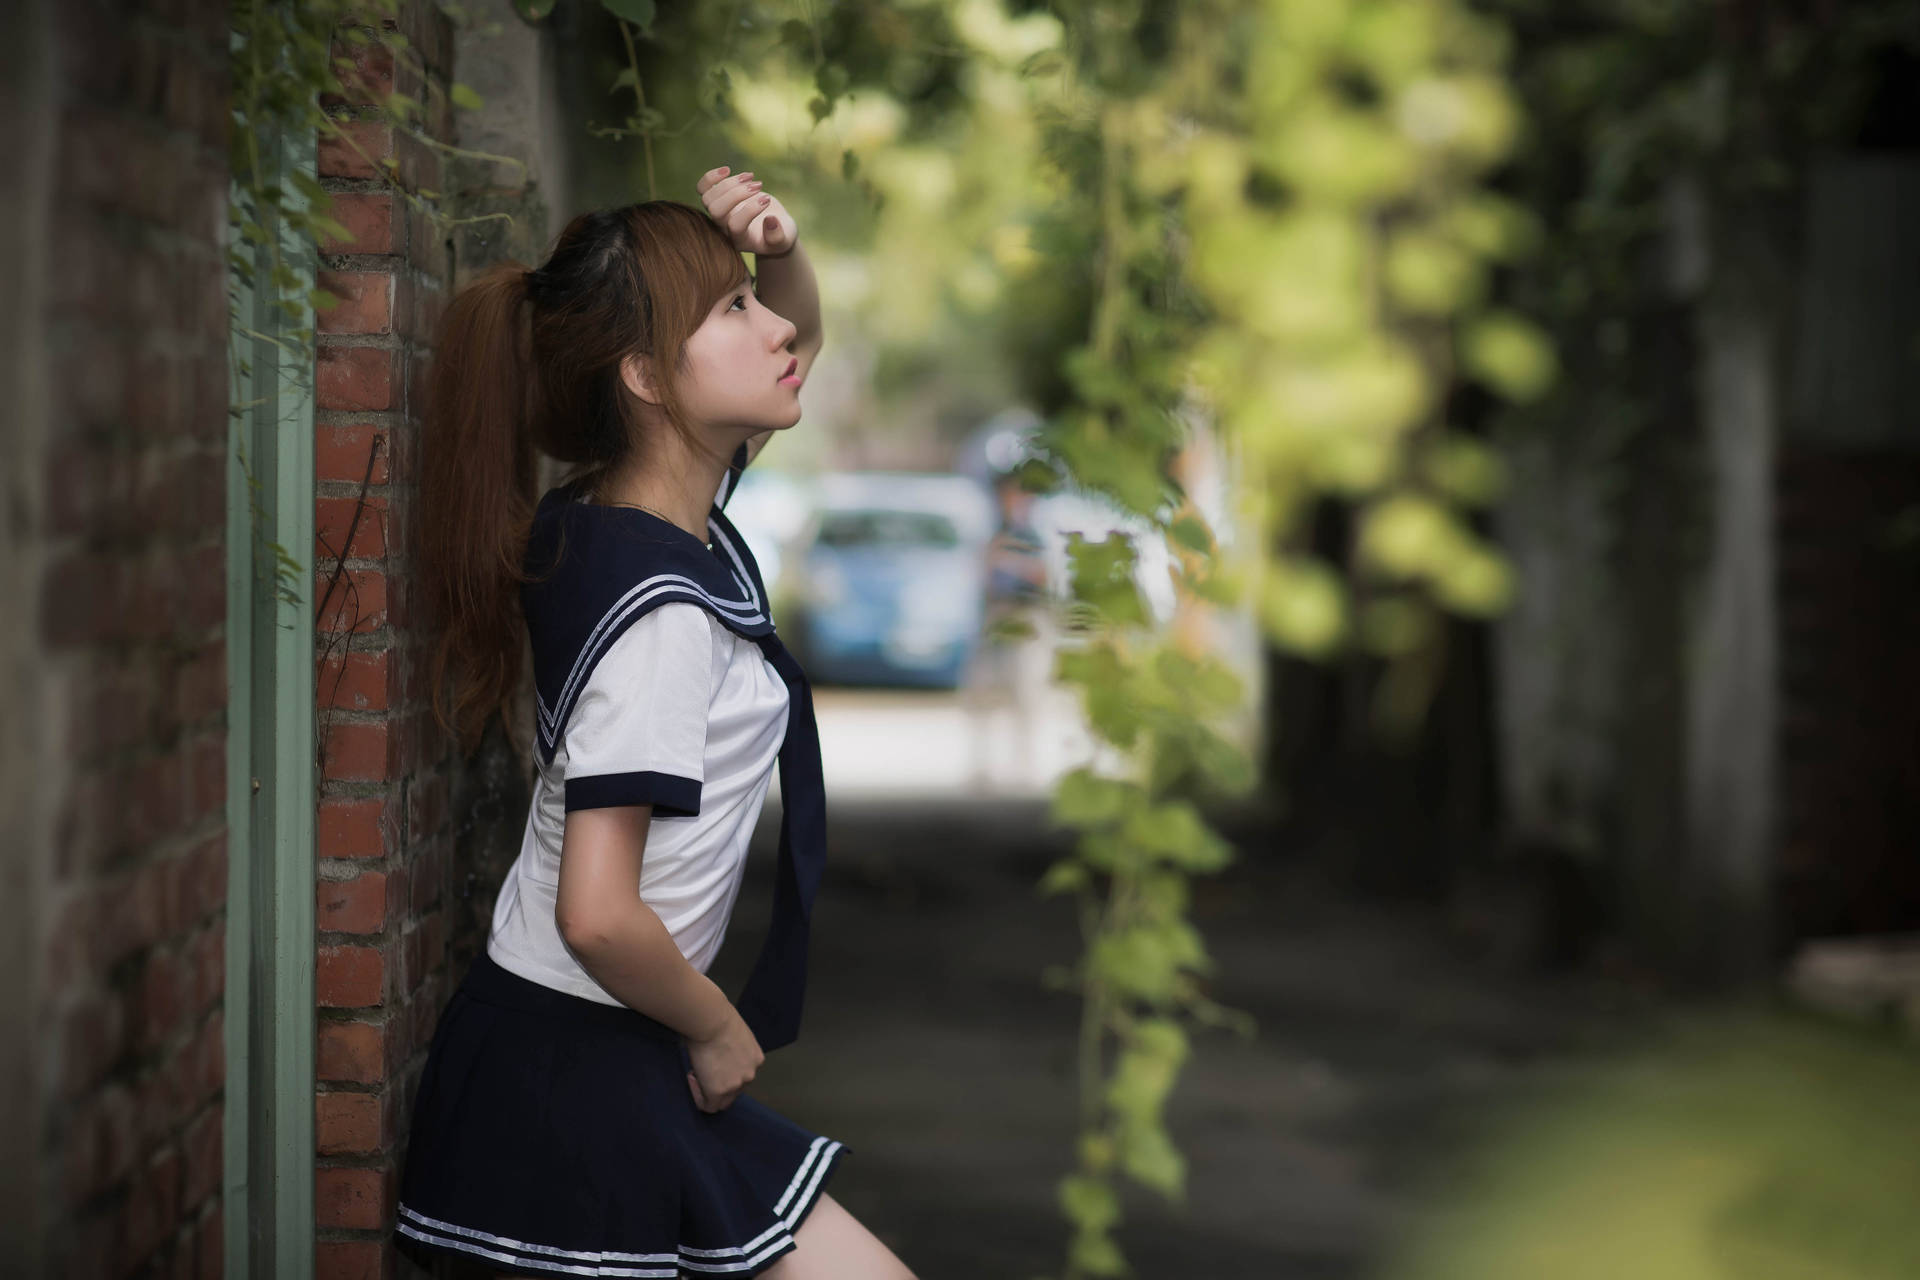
<point>734,204</point>
<point>720,189</point>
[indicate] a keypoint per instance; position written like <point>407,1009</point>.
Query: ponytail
<point>528,363</point>
<point>477,496</point>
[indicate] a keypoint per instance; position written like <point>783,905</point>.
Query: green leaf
<point>1065,876</point>
<point>533,10</point>
<point>1510,355</point>
<point>1097,1255</point>
<point>831,79</point>
<point>1084,799</point>
<point>627,79</point>
<point>1190,531</point>
<point>1102,575</point>
<point>638,12</point>
<point>796,35</point>
<point>464,98</point>
<point>1149,1157</point>
<point>1089,1203</point>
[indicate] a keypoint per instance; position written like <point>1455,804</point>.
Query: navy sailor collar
<point>595,570</point>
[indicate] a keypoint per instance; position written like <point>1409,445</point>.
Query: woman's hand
<point>756,222</point>
<point>723,1065</point>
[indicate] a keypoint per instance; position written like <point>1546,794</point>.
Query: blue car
<point>891,579</point>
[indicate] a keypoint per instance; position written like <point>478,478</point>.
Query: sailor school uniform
<point>554,1130</point>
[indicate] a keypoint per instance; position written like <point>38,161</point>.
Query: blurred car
<point>891,579</point>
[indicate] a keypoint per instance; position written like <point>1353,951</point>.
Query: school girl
<point>583,1109</point>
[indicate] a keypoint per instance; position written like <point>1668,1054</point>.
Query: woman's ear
<point>636,372</point>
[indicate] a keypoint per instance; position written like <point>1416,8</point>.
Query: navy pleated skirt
<point>556,1135</point>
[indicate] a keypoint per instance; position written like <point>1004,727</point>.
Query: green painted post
<point>272,783</point>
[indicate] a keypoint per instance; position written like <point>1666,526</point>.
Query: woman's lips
<point>788,377</point>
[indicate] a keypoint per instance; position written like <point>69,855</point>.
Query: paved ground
<point>933,1050</point>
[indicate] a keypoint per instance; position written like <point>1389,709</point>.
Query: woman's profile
<point>582,1107</point>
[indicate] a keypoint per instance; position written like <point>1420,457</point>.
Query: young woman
<point>581,1111</point>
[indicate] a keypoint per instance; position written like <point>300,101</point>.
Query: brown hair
<point>530,359</point>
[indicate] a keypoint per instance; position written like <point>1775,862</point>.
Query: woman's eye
<point>738,297</point>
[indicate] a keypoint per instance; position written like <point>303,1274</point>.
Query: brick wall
<point>383,832</point>
<point>127,1027</point>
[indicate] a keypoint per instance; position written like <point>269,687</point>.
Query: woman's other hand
<point>723,1064</point>
<point>754,221</point>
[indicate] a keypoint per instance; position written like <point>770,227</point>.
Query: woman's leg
<point>834,1246</point>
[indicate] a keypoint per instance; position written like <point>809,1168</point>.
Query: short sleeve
<point>638,732</point>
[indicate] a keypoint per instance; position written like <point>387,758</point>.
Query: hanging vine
<point>307,70</point>
<point>1291,242</point>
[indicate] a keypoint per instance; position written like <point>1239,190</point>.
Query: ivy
<point>292,66</point>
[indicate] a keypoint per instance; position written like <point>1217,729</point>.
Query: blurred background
<point>1566,914</point>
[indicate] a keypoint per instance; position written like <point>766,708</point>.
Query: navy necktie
<point>771,1000</point>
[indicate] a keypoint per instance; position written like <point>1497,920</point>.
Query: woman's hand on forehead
<point>755,221</point>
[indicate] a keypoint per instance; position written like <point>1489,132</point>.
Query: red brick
<point>206,797</point>
<point>358,905</point>
<point>351,1260</point>
<point>351,1198</point>
<point>164,988</point>
<point>365,304</point>
<point>357,753</point>
<point>356,604</point>
<point>204,1153</point>
<point>81,596</point>
<point>423,947</point>
<point>357,379</point>
<point>368,216</point>
<point>195,100</point>
<point>203,1064</point>
<point>428,307</point>
<point>353,1052</point>
<point>427,804</point>
<point>109,162</point>
<point>427,877</point>
<point>428,249</point>
<point>359,681</point>
<point>354,149</point>
<point>199,686</point>
<point>207,965</point>
<point>342,454</point>
<point>162,1097</point>
<point>367,76</point>
<point>354,828</point>
<point>92,1039</point>
<point>347,1123</point>
<point>422,743</point>
<point>349,977</point>
<point>100,1149</point>
<point>333,517</point>
<point>152,1210</point>
<point>204,886</point>
<point>210,1246</point>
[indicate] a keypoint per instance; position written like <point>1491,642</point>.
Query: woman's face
<point>735,361</point>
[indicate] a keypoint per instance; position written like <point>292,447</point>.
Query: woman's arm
<point>784,284</point>
<point>617,937</point>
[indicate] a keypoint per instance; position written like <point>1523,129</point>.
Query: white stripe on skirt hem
<point>810,1174</point>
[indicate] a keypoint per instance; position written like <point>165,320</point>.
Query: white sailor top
<point>659,680</point>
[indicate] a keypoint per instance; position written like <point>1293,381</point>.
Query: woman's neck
<point>674,483</point>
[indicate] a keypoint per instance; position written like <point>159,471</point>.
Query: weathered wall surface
<point>115,564</point>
